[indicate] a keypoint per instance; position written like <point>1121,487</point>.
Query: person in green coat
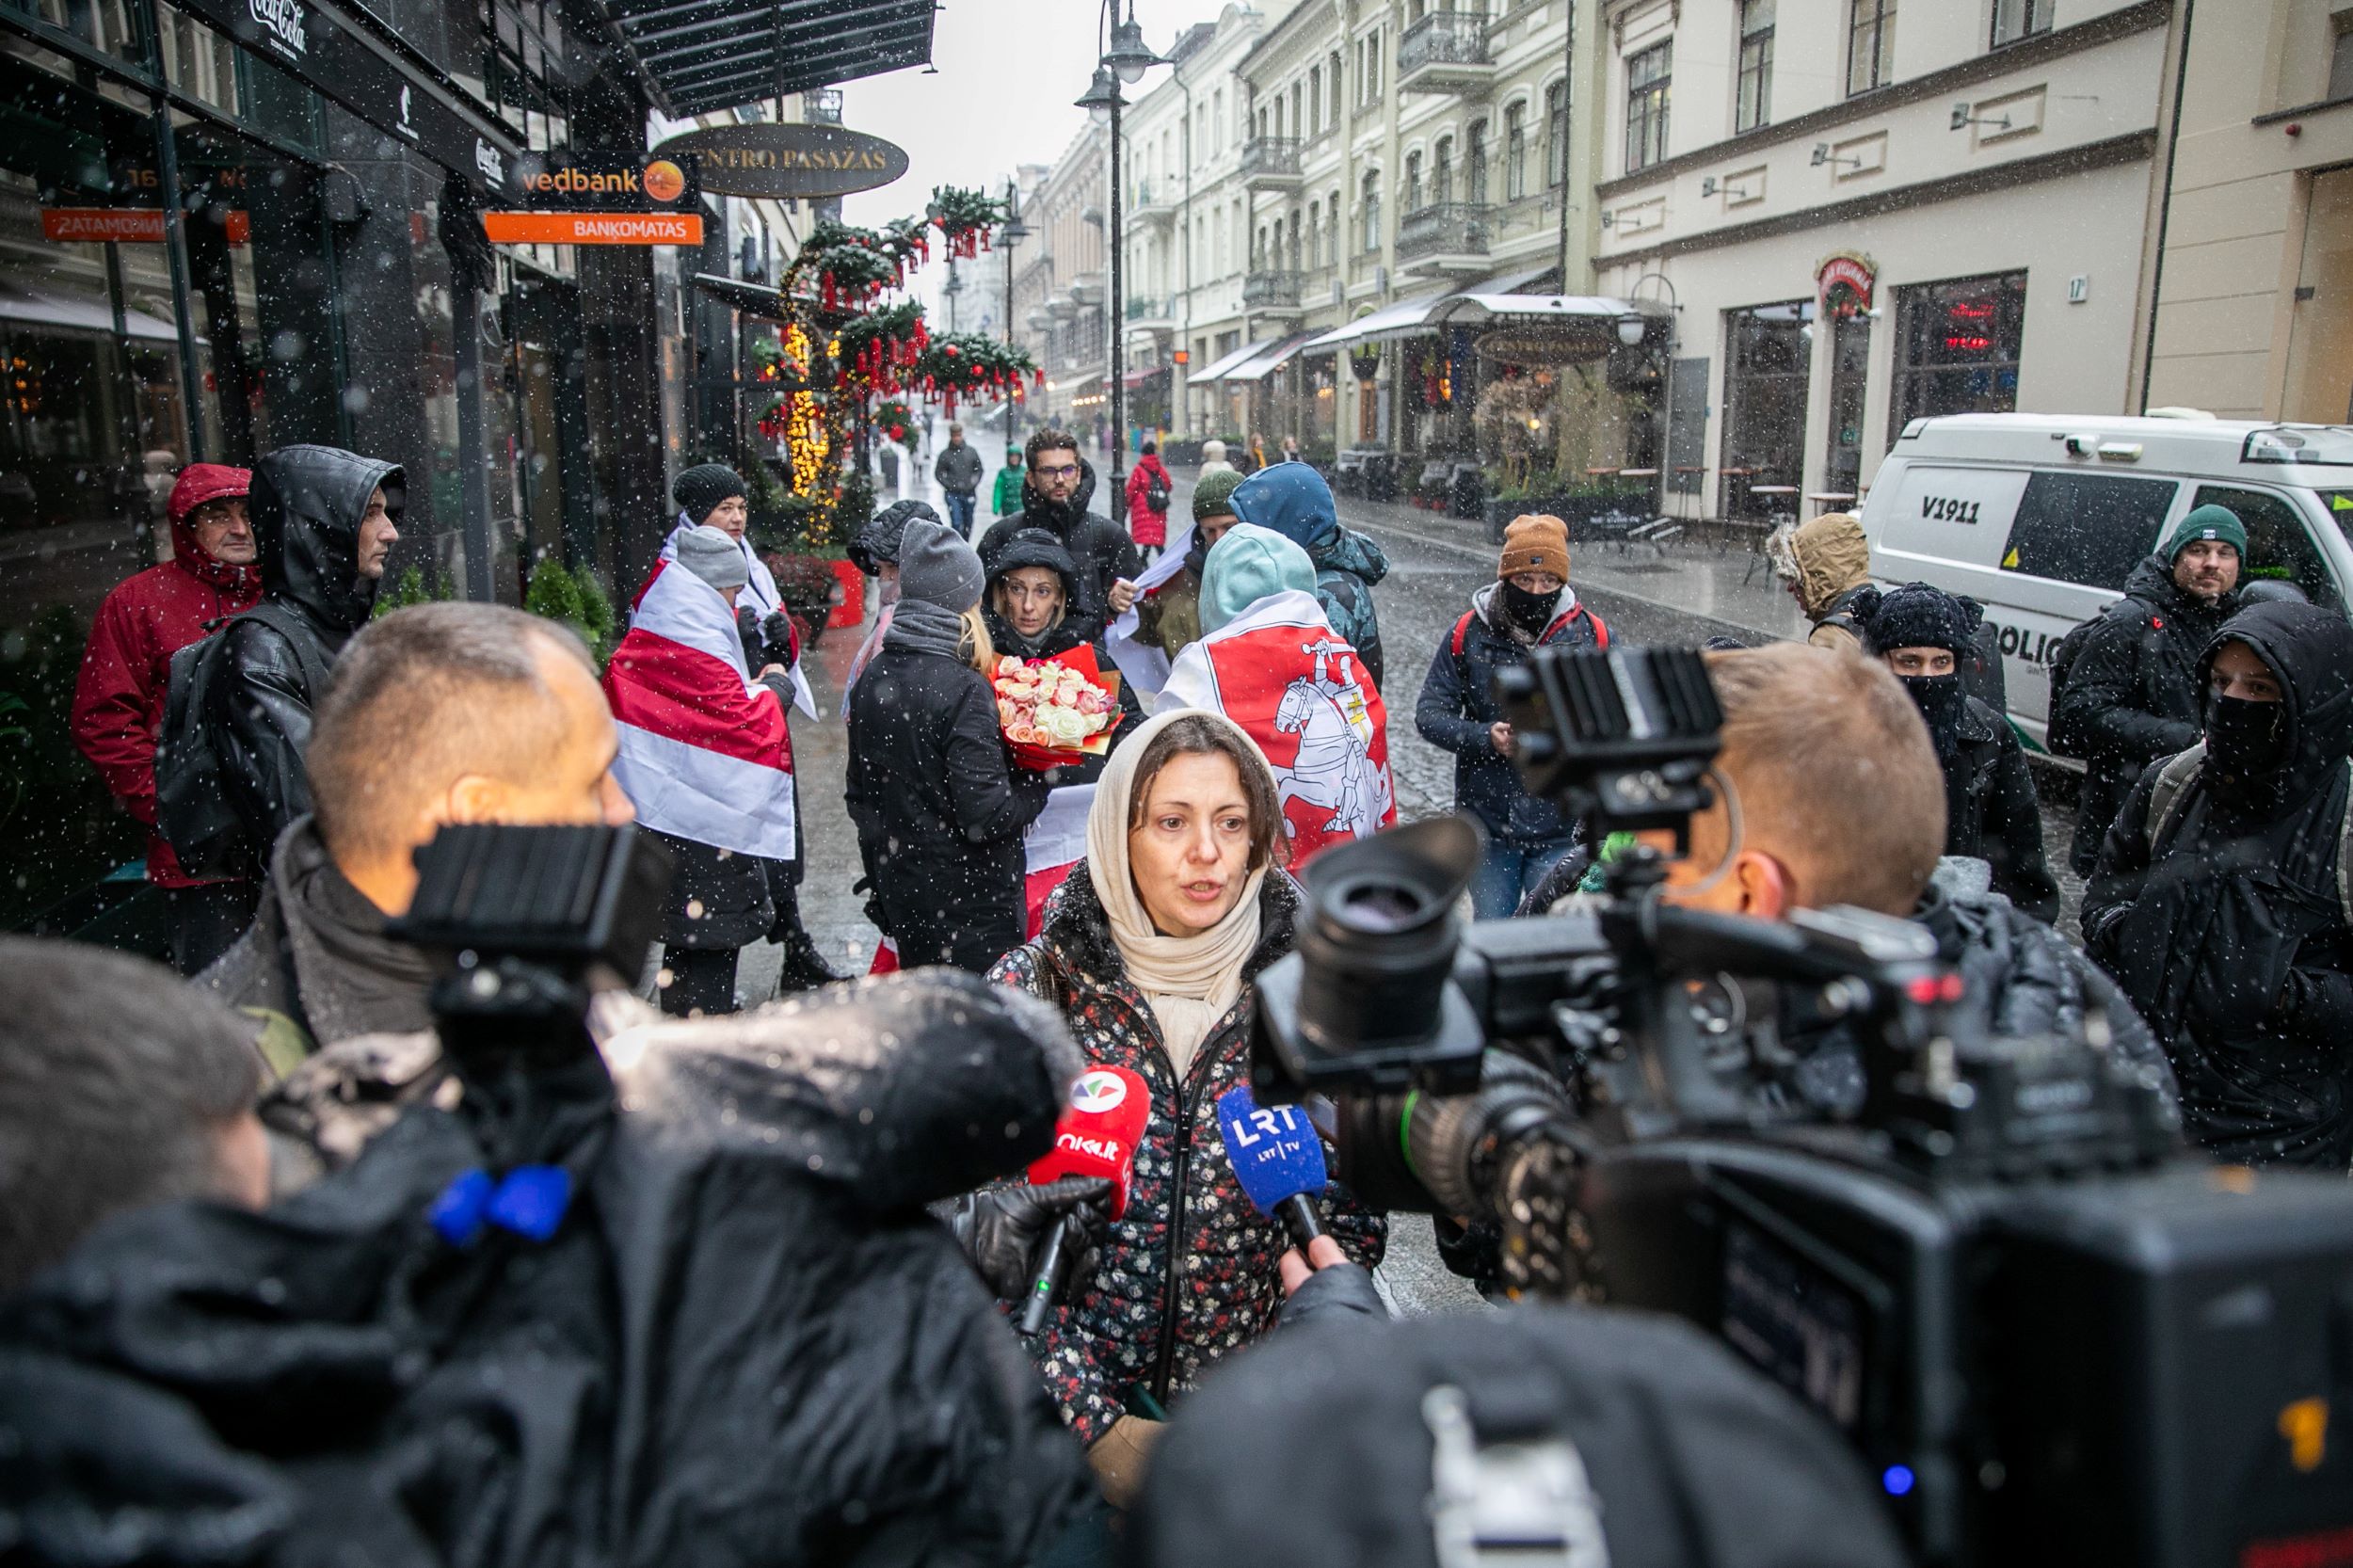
<point>1009,482</point>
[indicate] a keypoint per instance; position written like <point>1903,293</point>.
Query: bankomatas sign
<point>787,162</point>
<point>382,82</point>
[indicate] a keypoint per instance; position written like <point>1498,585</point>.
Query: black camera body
<point>2053,1334</point>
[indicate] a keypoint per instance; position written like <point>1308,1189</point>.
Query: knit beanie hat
<point>1918,616</point>
<point>2209,522</point>
<point>710,554</point>
<point>936,567</point>
<point>1245,567</point>
<point>699,489</point>
<point>1537,542</point>
<point>1213,497</point>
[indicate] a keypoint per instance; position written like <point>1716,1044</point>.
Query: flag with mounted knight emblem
<point>1281,672</point>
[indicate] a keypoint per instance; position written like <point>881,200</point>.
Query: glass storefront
<point>1956,348</point>
<point>1766,364</point>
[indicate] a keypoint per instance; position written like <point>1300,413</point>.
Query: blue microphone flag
<point>1275,1149</point>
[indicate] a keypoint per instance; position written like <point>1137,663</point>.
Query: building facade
<point>2250,257</point>
<point>1854,219</point>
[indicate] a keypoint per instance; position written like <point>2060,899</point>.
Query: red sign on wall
<point>1849,268</point>
<point>123,225</point>
<point>593,228</point>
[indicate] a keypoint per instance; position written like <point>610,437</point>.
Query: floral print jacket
<point>1138,1323</point>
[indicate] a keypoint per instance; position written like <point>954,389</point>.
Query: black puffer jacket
<point>2132,693</point>
<point>307,503</point>
<point>745,1342</point>
<point>1991,813</point>
<point>939,808</point>
<point>2229,933</point>
<point>1458,710</point>
<point>1100,548</point>
<point>1034,546</point>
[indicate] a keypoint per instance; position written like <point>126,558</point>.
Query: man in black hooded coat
<point>740,1341</point>
<point>2219,901</point>
<point>324,518</point>
<point>1057,501</point>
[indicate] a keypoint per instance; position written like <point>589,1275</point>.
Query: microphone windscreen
<point>1275,1149</point>
<point>1099,1130</point>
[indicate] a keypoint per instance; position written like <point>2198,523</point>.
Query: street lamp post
<point>1126,61</point>
<point>1012,233</point>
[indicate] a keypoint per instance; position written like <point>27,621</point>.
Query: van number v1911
<point>1947,508</point>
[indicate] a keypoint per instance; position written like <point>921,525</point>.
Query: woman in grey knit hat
<point>939,806</point>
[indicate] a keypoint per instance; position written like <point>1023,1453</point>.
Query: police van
<point>2039,517</point>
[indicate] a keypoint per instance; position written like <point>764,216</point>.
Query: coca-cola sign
<point>281,21</point>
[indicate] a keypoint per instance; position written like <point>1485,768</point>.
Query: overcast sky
<point>1007,74</point>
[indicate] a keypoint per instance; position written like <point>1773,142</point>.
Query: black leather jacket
<point>307,503</point>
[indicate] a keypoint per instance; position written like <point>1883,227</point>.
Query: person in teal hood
<point>1246,565</point>
<point>1292,500</point>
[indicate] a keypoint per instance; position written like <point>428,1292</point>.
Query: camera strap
<point>1506,1483</point>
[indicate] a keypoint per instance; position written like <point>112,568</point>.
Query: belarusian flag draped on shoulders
<point>704,754</point>
<point>1299,689</point>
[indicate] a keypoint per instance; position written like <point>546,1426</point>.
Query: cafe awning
<point>1232,362</point>
<point>1519,310</point>
<point>1402,319</point>
<point>700,56</point>
<point>1272,360</point>
<point>751,299</point>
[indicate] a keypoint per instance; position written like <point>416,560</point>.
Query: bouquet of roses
<point>1056,712</point>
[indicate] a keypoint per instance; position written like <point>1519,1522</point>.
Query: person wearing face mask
<point>1149,950</point>
<point>2128,692</point>
<point>1528,605</point>
<point>1990,811</point>
<point>2221,900</point>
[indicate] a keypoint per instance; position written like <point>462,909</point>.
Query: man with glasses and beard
<point>1055,497</point>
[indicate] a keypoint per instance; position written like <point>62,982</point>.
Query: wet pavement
<point>1685,592</point>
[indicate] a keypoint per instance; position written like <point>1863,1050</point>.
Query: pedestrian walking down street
<point>1293,500</point>
<point>1010,479</point>
<point>1990,810</point>
<point>2129,690</point>
<point>325,521</point>
<point>1168,616</point>
<point>706,758</point>
<point>126,675</point>
<point>1529,605</point>
<point>959,470</point>
<point>938,804</point>
<point>1149,953</point>
<point>1825,562</point>
<point>1214,462</point>
<point>2220,902</point>
<point>1149,493</point>
<point>1056,495</point>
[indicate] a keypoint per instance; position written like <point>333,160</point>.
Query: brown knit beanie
<point>1539,543</point>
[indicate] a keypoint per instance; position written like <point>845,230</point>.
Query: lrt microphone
<point>1278,1158</point>
<point>1094,1136</point>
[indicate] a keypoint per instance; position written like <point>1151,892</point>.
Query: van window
<point>2276,545</point>
<point>2088,528</point>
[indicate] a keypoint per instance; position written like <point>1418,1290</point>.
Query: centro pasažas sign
<point>785,162</point>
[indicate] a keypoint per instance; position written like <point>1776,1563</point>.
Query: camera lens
<point>1378,939</point>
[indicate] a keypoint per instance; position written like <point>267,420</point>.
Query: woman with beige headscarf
<point>1148,951</point>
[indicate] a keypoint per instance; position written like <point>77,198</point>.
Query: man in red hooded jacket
<point>126,675</point>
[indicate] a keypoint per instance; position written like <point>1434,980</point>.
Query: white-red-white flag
<point>704,753</point>
<point>1147,667</point>
<point>1299,689</point>
<point>763,599</point>
<point>1055,841</point>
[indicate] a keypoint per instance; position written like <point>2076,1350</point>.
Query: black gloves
<point>777,631</point>
<point>1334,1293</point>
<point>1003,1229</point>
<point>748,631</point>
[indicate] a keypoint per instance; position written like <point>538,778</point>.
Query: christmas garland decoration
<point>873,350</point>
<point>895,419</point>
<point>964,218</point>
<point>968,365</point>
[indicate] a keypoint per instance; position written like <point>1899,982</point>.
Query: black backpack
<point>193,809</point>
<point>1156,494</point>
<point>2063,737</point>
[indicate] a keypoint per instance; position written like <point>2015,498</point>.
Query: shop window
<point>1765,370</point>
<point>1557,136</point>
<point>2278,547</point>
<point>1753,103</point>
<point>1516,152</point>
<point>2088,528</point>
<point>1870,45</point>
<point>2017,18</point>
<point>1647,77</point>
<point>1957,348</point>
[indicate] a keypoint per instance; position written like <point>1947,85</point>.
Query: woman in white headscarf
<point>1148,951</point>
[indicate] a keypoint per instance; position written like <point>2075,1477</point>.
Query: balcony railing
<point>1262,290</point>
<point>1150,307</point>
<point>1442,38</point>
<point>1444,229</point>
<point>1270,157</point>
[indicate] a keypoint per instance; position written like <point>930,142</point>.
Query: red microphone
<point>1094,1136</point>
